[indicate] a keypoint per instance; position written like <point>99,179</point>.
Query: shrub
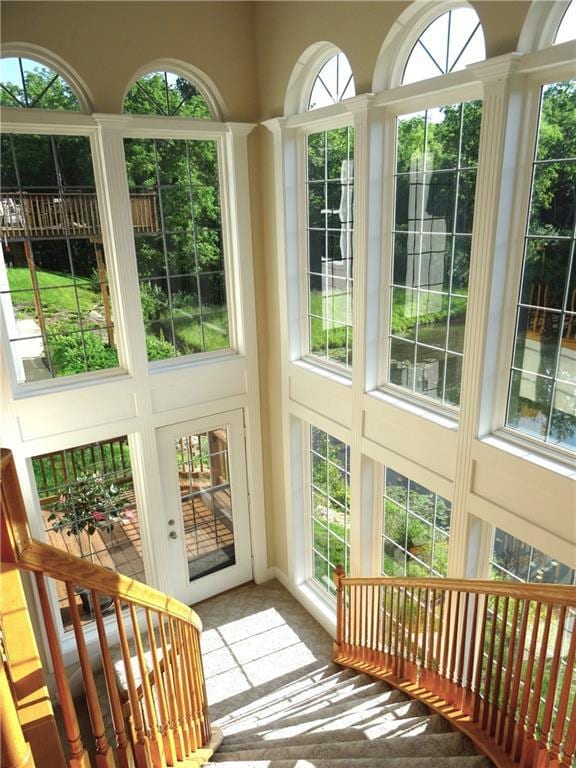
<point>80,352</point>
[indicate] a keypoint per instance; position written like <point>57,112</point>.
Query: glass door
<point>207,516</point>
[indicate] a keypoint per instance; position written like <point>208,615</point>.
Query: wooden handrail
<point>162,671</point>
<point>496,658</point>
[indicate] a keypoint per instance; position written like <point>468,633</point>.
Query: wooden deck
<point>121,550</point>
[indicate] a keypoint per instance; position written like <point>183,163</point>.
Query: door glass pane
<point>206,501</point>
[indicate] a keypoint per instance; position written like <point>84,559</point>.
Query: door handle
<point>173,535</point>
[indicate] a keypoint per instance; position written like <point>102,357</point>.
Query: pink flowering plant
<point>88,504</point>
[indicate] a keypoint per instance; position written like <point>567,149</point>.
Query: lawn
<point>56,292</point>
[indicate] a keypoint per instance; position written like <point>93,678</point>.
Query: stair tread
<point>434,745</point>
<point>473,761</point>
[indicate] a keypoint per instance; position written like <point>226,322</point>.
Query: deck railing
<point>496,658</point>
<point>73,214</point>
<point>158,715</point>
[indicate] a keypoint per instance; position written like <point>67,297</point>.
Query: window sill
<point>503,441</point>
<point>191,361</point>
<point>415,408</point>
<point>24,390</point>
<point>335,375</point>
<point>321,606</point>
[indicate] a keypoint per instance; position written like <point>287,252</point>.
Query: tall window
<point>53,279</point>
<point>415,529</point>
<point>330,504</point>
<point>451,42</point>
<point>333,83</point>
<point>330,189</point>
<point>436,160</point>
<point>542,393</point>
<point>180,253</point>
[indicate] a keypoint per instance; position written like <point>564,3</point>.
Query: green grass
<point>57,292</point>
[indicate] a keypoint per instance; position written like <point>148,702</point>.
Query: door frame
<point>203,587</point>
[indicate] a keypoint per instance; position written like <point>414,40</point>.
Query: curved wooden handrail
<point>495,658</point>
<point>140,689</point>
<point>560,594</point>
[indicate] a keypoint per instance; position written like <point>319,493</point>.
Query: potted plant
<point>88,504</point>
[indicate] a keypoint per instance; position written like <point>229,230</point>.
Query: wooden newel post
<point>337,576</point>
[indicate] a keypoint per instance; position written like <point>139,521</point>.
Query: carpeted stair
<point>334,718</point>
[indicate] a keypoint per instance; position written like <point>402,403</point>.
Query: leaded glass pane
<point>436,159</point>
<point>333,83</point>
<point>451,42</point>
<point>165,93</point>
<point>181,265</point>
<point>53,279</point>
<point>542,392</point>
<point>330,204</point>
<point>330,505</point>
<point>27,83</point>
<point>415,528</point>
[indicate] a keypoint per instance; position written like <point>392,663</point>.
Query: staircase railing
<point>161,716</point>
<point>496,658</point>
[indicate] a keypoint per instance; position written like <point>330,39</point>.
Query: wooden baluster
<point>378,647</point>
<point>200,683</point>
<point>391,634</point>
<point>357,619</point>
<point>542,745</point>
<point>438,652</point>
<point>170,687</point>
<point>397,623</point>
<point>337,576</point>
<point>416,643</point>
<point>490,665</point>
<point>494,708</point>
<point>123,746</point>
<point>455,626</point>
<point>510,723</point>
<point>362,629</point>
<point>348,604</point>
<point>104,755</point>
<point>78,756</point>
<point>459,670</point>
<point>527,685</point>
<point>570,739</point>
<point>141,746</point>
<point>467,695</point>
<point>427,678</point>
<point>479,662</point>
<point>508,679</point>
<point>402,621</point>
<point>422,676</point>
<point>373,614</point>
<point>443,690</point>
<point>528,748</point>
<point>564,697</point>
<point>179,687</point>
<point>407,632</point>
<point>190,692</point>
<point>156,744</point>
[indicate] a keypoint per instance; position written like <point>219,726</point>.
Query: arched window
<point>567,28</point>
<point>334,82</point>
<point>168,94</point>
<point>28,83</point>
<point>451,42</point>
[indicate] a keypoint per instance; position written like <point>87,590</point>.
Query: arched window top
<point>451,42</point>
<point>333,83</point>
<point>567,29</point>
<point>166,93</point>
<point>28,83</point>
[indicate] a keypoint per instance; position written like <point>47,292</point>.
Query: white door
<point>203,463</point>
